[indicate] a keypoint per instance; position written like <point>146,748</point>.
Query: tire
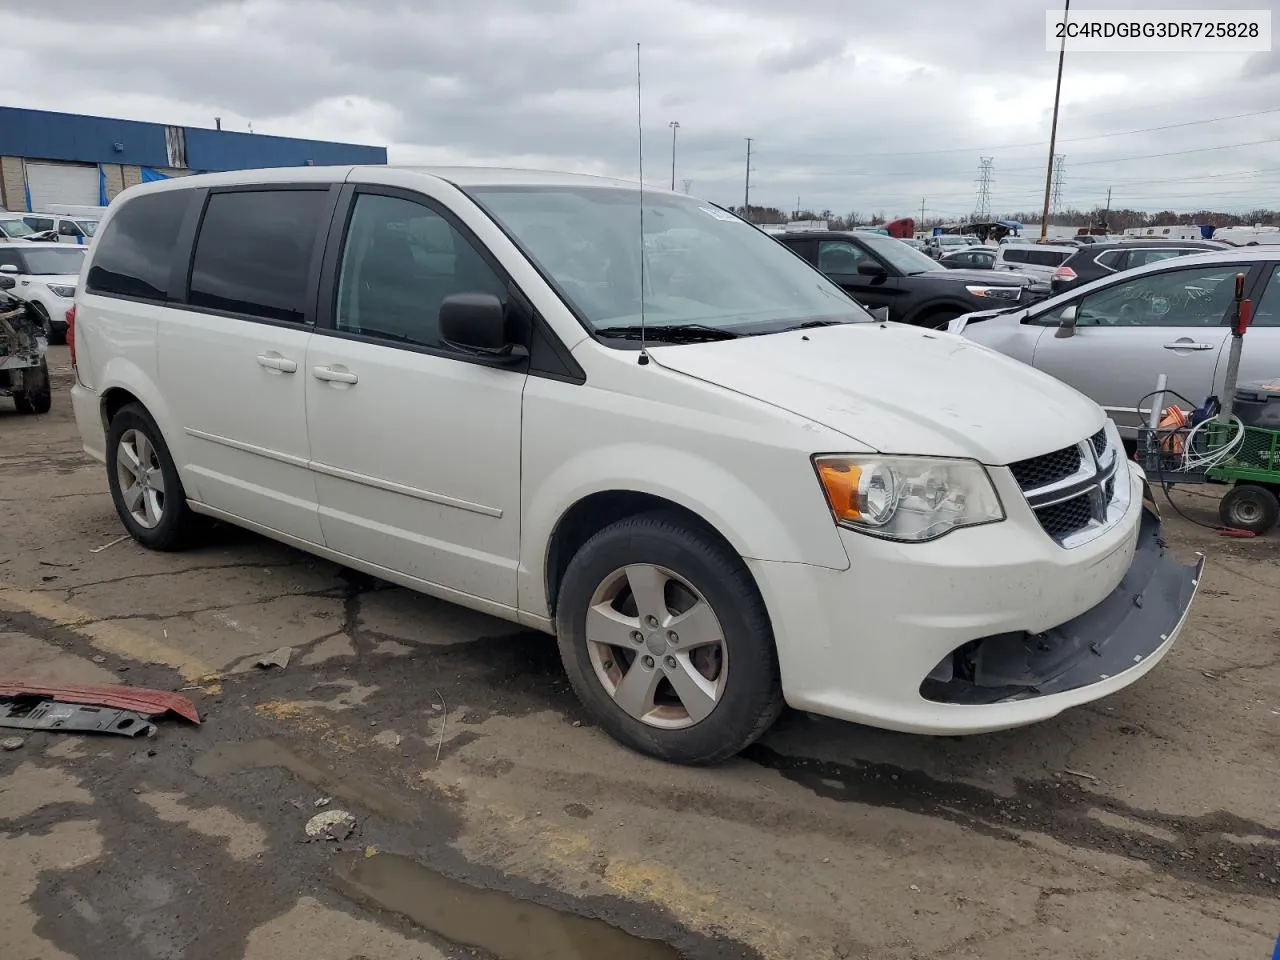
<point>730,687</point>
<point>159,517</point>
<point>1248,506</point>
<point>36,395</point>
<point>46,324</point>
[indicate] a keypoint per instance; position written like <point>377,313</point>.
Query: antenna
<point>644,353</point>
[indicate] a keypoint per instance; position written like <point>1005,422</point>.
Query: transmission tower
<point>984,188</point>
<point>1055,197</point>
<point>687,184</point>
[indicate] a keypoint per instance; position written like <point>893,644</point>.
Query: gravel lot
<point>494,820</point>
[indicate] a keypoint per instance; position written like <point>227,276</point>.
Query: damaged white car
<point>24,371</point>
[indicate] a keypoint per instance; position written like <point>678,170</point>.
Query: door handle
<point>334,375</point>
<point>1189,345</point>
<point>273,361</point>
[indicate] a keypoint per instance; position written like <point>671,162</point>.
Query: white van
<point>716,479</point>
<point>1039,260</point>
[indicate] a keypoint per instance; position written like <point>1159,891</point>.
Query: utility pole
<point>1053,130</point>
<point>687,184</point>
<point>746,192</point>
<point>922,199</point>
<point>984,187</point>
<point>674,125</point>
<point>1106,216</point>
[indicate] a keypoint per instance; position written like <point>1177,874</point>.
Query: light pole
<point>674,125</point>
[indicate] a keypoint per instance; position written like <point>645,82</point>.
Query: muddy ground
<point>494,820</point>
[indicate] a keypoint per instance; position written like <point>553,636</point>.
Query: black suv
<point>880,271</point>
<point>1097,260</point>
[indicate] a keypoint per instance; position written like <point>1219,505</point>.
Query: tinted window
<point>839,256</point>
<point>131,259</point>
<point>399,261</point>
<point>39,224</point>
<point>67,228</point>
<point>253,252</point>
<point>1112,259</point>
<point>1267,313</point>
<point>1195,297</point>
<point>10,258</point>
<point>1017,256</point>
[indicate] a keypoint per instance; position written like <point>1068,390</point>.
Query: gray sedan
<point>1112,338</point>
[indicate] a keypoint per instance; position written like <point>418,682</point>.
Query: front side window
<point>702,265</point>
<point>253,252</point>
<point>68,228</point>
<point>400,260</point>
<point>133,256</point>
<point>1194,297</point>
<point>839,256</point>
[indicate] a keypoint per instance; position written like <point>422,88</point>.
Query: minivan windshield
<point>50,262</point>
<point>704,269</point>
<point>89,227</point>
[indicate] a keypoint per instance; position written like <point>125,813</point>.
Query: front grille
<point>1048,468</point>
<point>1041,480</point>
<point>1099,441</point>
<point>1063,519</point>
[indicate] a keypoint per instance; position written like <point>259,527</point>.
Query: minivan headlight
<point>995,293</point>
<point>907,498</point>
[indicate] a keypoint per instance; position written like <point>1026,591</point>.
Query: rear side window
<point>132,257</point>
<point>1042,258</point>
<point>253,253</point>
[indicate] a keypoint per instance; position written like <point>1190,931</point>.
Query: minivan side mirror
<point>476,324</point>
<point>7,283</point>
<point>870,268</point>
<point>1067,322</point>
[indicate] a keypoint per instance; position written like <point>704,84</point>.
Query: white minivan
<point>629,419</point>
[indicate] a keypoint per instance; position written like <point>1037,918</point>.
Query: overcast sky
<point>866,105</point>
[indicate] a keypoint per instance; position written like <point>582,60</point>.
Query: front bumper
<point>1052,628</point>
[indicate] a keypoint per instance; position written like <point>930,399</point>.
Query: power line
<point>1041,143</point>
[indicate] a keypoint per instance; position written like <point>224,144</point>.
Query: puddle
<point>506,926</point>
<point>228,758</point>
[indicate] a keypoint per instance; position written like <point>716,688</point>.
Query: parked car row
<point>47,227</point>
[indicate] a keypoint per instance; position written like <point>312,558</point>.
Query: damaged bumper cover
<point>1130,630</point>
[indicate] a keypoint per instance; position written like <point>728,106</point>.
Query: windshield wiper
<point>810,324</point>
<point>669,332</point>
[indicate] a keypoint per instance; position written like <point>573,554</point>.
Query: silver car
<point>1112,338</point>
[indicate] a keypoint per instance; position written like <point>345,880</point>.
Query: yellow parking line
<point>108,636</point>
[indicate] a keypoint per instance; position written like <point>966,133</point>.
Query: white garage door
<point>62,183</point>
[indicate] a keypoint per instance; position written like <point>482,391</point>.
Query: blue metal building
<point>48,157</point>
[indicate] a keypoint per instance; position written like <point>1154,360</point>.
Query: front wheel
<point>36,395</point>
<point>1248,506</point>
<point>666,641</point>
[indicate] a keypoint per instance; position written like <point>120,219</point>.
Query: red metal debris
<point>149,703</point>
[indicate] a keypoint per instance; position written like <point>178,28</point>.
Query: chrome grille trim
<point>1079,507</point>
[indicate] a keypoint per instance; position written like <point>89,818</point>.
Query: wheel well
<point>937,309</point>
<point>592,514</point>
<point>112,401</point>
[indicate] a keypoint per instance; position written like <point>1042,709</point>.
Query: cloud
<point>867,106</point>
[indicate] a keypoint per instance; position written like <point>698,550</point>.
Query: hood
<point>899,389</point>
<point>992,278</point>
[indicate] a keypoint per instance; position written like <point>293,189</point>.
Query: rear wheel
<point>666,641</point>
<point>144,482</point>
<point>1248,506</point>
<point>36,395</point>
